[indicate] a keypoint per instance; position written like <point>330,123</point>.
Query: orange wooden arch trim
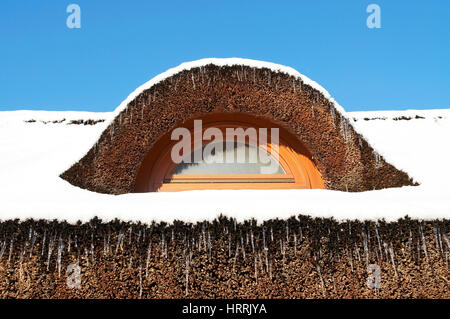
<point>157,167</point>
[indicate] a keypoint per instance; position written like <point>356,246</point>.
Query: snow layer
<point>226,62</point>
<point>34,154</point>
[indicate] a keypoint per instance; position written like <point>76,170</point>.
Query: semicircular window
<point>239,161</point>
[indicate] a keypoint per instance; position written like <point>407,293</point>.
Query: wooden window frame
<point>156,171</point>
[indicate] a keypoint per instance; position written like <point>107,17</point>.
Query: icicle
<point>366,248</point>
<point>199,244</point>
<point>235,255</point>
<point>424,244</point>
<point>345,128</point>
<point>108,243</point>
<point>321,279</point>
<point>33,241</point>
<point>440,241</point>
<point>287,231</point>
<point>2,250</point>
<point>253,244</point>
<point>264,238</point>
<point>229,244</point>
<point>130,230</point>
<point>162,245</point>
<point>256,272</point>
<point>391,251</point>
<point>271,233</point>
<point>333,116</point>
<point>58,260</point>
<point>378,162</point>
<point>43,243</point>
<point>209,245</point>
<point>436,236</point>
<point>203,236</point>
<point>165,251</point>
<point>140,281</point>
<point>266,259</point>
<point>357,252</point>
<point>295,245</point>
<point>119,242</point>
<point>447,241</point>
<point>410,241</point>
<point>92,252</point>
<point>111,130</point>
<point>149,252</point>
<point>349,253</point>
<point>261,267</point>
<point>187,276</point>
<point>21,258</point>
<point>418,250</point>
<point>50,249</point>
<point>86,256</point>
<point>378,241</point>
<point>193,81</point>
<point>11,245</point>
<point>386,250</point>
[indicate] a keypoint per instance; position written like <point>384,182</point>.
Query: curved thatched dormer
<point>338,157</point>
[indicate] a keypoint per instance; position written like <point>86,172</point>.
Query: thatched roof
<point>344,158</point>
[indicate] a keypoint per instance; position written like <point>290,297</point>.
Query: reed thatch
<point>296,258</point>
<point>343,157</point>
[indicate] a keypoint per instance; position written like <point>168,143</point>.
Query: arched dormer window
<point>227,161</point>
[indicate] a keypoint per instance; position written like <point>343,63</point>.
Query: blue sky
<point>122,44</point>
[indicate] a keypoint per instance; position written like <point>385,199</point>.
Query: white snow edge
<point>34,154</point>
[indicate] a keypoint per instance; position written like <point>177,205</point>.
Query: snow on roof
<point>227,62</point>
<point>35,153</point>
